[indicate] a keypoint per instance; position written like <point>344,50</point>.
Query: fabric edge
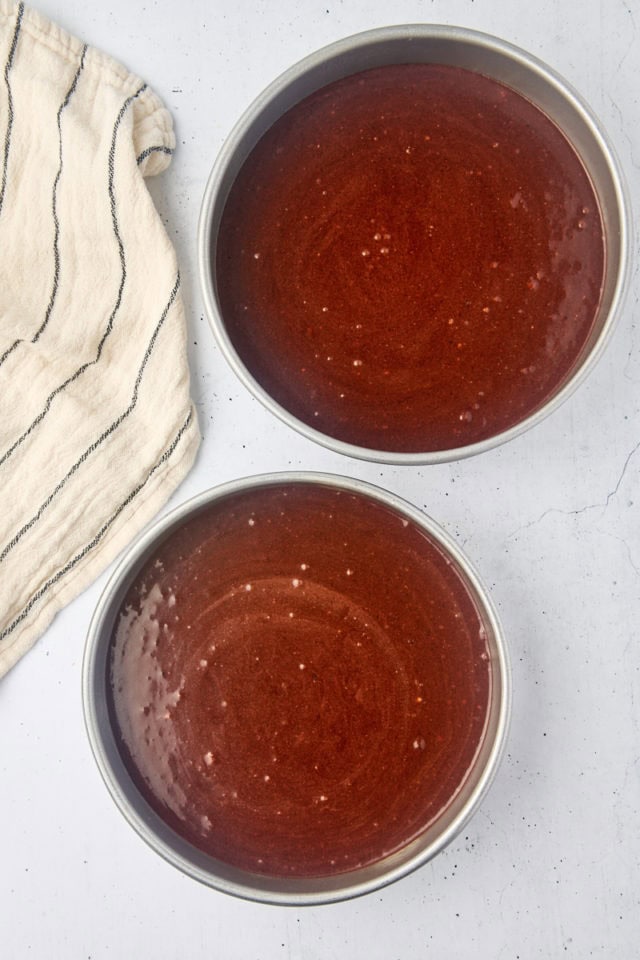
<point>125,530</point>
<point>65,44</point>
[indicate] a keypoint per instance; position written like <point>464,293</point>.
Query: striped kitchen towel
<point>96,422</point>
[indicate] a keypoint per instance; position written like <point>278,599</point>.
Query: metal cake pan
<point>213,872</point>
<point>455,46</point>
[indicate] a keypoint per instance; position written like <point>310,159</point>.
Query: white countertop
<point>548,867</point>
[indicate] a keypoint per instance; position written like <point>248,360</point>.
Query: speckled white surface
<point>549,866</point>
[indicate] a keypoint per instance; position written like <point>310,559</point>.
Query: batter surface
<point>300,680</point>
<point>411,259</point>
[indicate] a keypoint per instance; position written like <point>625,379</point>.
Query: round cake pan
<point>203,867</point>
<point>454,46</point>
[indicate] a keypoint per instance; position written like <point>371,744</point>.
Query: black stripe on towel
<point>103,436</point>
<point>7,141</point>
<point>24,613</point>
<point>9,351</point>
<point>85,366</point>
<point>146,153</point>
<point>7,71</point>
<point>56,222</point>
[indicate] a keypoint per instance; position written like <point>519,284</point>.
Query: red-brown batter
<point>300,680</point>
<point>411,259</point>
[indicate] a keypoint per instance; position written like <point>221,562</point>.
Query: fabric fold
<point>97,427</point>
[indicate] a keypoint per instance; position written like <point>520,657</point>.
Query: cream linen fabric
<point>96,424</point>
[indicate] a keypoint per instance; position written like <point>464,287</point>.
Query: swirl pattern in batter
<point>300,680</point>
<point>411,259</point>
